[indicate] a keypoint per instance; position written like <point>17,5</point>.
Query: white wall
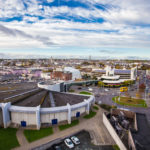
<point>133,73</point>
<point>81,110</point>
<point>113,133</point>
<point>1,118</point>
<point>45,75</point>
<point>75,72</point>
<point>17,117</point>
<point>47,118</point>
<point>52,87</point>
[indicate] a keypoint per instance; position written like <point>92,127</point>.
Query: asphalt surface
<point>32,101</point>
<point>9,93</point>
<point>85,143</point>
<point>7,90</point>
<point>61,99</point>
<point>141,137</point>
<point>12,86</point>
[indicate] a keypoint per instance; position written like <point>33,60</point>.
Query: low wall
<point>135,123</point>
<point>113,133</point>
<point>130,141</point>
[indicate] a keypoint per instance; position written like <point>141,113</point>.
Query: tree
<point>94,78</point>
<point>78,67</point>
<point>142,86</point>
<point>118,66</point>
<point>100,83</point>
<point>86,77</point>
<point>128,82</point>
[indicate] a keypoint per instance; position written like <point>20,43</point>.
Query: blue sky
<point>100,28</point>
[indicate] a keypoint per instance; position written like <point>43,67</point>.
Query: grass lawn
<point>130,101</point>
<point>85,93</point>
<point>73,123</point>
<point>90,115</point>
<point>8,139</point>
<point>95,107</point>
<point>33,135</point>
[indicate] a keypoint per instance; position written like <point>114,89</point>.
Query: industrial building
<point>46,106</point>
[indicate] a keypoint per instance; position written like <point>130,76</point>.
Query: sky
<point>75,28</point>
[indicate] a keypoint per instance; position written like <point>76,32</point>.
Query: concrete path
<point>95,126</point>
<point>21,138</point>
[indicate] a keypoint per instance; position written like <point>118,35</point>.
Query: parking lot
<point>85,143</point>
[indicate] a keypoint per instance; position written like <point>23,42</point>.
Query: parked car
<point>90,89</point>
<point>69,143</point>
<point>57,148</point>
<point>106,90</point>
<point>75,140</point>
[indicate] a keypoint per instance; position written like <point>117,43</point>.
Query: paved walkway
<point>95,126</point>
<point>21,138</point>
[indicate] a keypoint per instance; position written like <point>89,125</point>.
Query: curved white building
<point>75,72</point>
<point>36,116</point>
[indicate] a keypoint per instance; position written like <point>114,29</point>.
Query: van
<point>123,89</point>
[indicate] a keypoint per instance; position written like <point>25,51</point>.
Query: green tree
<point>100,83</point>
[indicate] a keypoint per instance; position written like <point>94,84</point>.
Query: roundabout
<point>129,101</point>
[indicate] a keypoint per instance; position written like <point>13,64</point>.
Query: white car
<point>69,143</point>
<point>75,140</point>
<point>106,90</point>
<point>90,89</point>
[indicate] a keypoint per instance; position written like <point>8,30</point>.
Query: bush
<point>90,115</point>
<point>85,93</point>
<point>95,107</point>
<point>73,123</point>
<point>100,83</point>
<point>115,147</point>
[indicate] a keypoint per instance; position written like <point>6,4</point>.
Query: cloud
<point>16,32</point>
<point>110,51</point>
<point>46,25</point>
<point>50,1</point>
